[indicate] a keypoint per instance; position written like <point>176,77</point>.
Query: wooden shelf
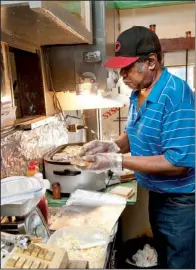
<point>177,44</point>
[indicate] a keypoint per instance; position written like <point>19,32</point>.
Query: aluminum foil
<point>18,148</point>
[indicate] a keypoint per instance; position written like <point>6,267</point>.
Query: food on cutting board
<point>95,255</point>
<point>125,192</point>
<point>35,257</point>
<point>20,262</point>
<point>68,153</point>
<point>27,264</point>
<point>12,261</point>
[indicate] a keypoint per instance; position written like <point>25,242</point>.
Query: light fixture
<point>70,101</point>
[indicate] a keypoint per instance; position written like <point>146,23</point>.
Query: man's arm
<point>157,165</point>
<point>123,143</point>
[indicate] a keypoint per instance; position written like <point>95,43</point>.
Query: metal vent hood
<point>67,63</point>
<point>38,23</point>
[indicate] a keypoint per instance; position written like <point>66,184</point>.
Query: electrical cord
<point>110,175</point>
<point>56,103</point>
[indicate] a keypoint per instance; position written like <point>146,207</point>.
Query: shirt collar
<point>133,98</point>
<point>156,90</point>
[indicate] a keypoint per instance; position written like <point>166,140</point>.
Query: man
<point>160,135</point>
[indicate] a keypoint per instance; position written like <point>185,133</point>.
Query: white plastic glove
<point>103,162</point>
<point>96,146</point>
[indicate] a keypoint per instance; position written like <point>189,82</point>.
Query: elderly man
<point>160,135</point>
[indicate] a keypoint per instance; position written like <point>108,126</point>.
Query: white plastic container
<point>23,207</point>
<point>8,116</point>
<point>15,189</point>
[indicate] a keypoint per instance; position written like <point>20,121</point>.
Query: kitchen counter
<point>63,200</point>
<point>115,244</point>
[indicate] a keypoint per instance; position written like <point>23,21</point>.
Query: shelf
<point>177,44</point>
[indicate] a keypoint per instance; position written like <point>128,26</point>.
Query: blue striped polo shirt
<point>165,125</point>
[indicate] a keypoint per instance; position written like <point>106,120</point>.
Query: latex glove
<point>103,162</point>
<point>96,146</point>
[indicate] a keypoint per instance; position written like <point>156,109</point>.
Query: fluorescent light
<point>71,102</point>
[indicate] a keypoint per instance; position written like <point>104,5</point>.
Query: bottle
<point>33,170</point>
<point>43,207</point>
<point>56,191</point>
<point>34,163</point>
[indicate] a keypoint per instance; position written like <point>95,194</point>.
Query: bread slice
<point>80,162</point>
<point>125,192</point>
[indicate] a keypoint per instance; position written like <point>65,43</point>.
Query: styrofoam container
<point>23,207</point>
<point>8,116</point>
<point>19,186</point>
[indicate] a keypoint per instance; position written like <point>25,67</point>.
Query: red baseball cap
<point>135,42</point>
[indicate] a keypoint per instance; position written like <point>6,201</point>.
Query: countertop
<point>63,200</point>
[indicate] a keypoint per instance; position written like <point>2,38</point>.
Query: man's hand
<point>123,143</point>
<point>96,146</point>
<point>103,162</point>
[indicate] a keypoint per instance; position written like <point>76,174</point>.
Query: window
<point>27,83</point>
<point>180,71</point>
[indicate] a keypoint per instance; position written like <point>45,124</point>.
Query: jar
<point>56,191</point>
<point>152,27</point>
<point>188,34</point>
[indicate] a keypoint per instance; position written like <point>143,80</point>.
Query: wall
<point>171,21</point>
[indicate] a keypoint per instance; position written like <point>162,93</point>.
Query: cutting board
<point>38,256</point>
<point>78,265</point>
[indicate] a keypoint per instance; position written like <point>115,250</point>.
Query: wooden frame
<point>8,84</point>
<point>177,44</point>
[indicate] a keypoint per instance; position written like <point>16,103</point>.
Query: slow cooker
<point>68,176</point>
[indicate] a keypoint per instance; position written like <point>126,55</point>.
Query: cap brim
<point>120,62</point>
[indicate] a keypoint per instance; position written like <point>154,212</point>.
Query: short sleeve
<point>178,135</point>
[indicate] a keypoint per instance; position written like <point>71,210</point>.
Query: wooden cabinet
<point>38,23</point>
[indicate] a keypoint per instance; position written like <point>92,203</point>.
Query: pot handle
<point>67,173</point>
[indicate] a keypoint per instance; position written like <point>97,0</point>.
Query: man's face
<point>138,76</point>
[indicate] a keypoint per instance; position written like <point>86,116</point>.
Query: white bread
<point>125,192</point>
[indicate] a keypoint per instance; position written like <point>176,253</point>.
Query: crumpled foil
<point>18,148</point>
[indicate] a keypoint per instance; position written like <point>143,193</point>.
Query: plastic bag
<point>88,208</point>
<point>18,188</point>
<point>93,198</point>
<point>89,244</point>
<point>146,257</point>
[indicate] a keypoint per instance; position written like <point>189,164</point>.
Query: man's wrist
<point>116,162</point>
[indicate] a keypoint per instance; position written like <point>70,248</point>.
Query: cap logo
<point>117,46</point>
